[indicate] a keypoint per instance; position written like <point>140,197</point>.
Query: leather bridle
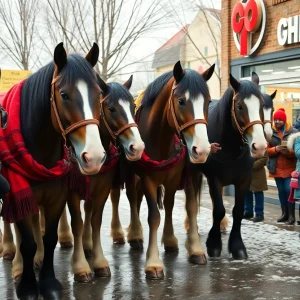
<point>72,127</point>
<point>114,134</point>
<point>179,128</point>
<point>242,130</point>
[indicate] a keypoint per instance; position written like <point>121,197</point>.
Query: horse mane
<point>191,81</point>
<point>154,88</point>
<point>119,91</point>
<point>36,92</point>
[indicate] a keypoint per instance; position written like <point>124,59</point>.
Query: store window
<point>284,77</point>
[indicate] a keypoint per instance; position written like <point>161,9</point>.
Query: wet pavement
<point>271,272</point>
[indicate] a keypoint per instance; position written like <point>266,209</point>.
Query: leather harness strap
<point>72,127</point>
<point>113,134</point>
<point>185,125</point>
<point>242,129</point>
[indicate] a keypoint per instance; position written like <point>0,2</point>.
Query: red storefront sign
<point>246,19</point>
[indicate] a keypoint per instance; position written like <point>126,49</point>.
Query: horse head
<point>268,108</point>
<point>117,117</point>
<point>75,106</point>
<point>189,110</point>
<point>247,114</point>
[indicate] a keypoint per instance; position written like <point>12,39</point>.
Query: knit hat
<point>280,114</point>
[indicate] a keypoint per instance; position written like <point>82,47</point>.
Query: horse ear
<point>178,72</point>
<point>60,56</point>
<point>128,83</point>
<point>255,78</point>
<point>273,95</point>
<point>234,83</point>
<point>208,73</point>
<point>103,86</point>
<point>92,56</point>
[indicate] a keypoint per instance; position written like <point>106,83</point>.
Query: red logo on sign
<point>245,20</point>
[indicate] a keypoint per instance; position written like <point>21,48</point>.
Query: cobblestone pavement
<point>271,272</point>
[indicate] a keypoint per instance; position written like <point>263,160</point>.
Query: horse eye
<point>64,96</point>
<point>181,102</point>
<point>111,109</point>
<point>240,107</point>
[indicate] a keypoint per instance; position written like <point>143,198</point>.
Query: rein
<point>243,129</point>
<point>185,125</point>
<point>72,127</point>
<point>113,134</point>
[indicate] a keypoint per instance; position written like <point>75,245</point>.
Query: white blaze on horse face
<point>91,154</point>
<point>256,138</point>
<point>134,145</point>
<point>198,145</point>
<point>268,126</point>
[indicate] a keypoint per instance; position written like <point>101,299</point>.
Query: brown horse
<point>72,117</point>
<point>175,104</point>
<point>118,127</point>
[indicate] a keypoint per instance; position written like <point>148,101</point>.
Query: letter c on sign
<point>282,33</point>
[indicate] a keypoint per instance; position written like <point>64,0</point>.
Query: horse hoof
<point>9,256</point>
<point>66,245</point>
<point>27,291</point>
<point>198,259</point>
<point>171,249</point>
<point>239,254</point>
<point>88,253</point>
<point>155,273</point>
<point>214,252</point>
<point>102,272</point>
<point>51,289</point>
<point>38,264</point>
<point>136,244</point>
<point>119,241</point>
<point>83,278</point>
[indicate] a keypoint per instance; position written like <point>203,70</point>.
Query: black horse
<point>236,123</point>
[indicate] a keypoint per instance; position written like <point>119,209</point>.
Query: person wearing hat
<point>282,163</point>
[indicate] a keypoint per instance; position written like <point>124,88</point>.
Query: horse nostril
<point>132,148</point>
<point>253,147</point>
<point>85,157</point>
<point>196,151</point>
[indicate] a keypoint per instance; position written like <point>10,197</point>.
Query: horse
<point>171,119</point>
<point>59,108</point>
<point>117,127</point>
<point>236,123</point>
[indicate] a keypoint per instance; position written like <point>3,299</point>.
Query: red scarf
<point>19,166</point>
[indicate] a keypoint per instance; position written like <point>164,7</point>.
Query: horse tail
<point>160,197</point>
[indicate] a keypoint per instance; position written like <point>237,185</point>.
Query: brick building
<point>264,36</point>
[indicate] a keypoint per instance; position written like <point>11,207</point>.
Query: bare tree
<point>212,23</point>
<point>17,37</point>
<point>115,25</point>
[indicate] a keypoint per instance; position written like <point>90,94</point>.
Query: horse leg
<point>134,231</point>
<point>87,230</point>
<point>116,231</point>
<point>9,248</point>
<point>1,243</point>
<point>193,244</point>
<point>80,266</point>
<point>65,237</point>
<point>214,242</point>
<point>235,243</point>
<point>39,255</point>
<point>42,220</point>
<point>154,266</point>
<point>27,287</point>
<point>17,263</point>
<point>100,264</point>
<point>50,287</point>
<point>168,238</point>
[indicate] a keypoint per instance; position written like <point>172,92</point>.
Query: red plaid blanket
<point>18,164</point>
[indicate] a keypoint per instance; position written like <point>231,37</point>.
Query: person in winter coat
<point>294,144</point>
<point>282,163</point>
<point>297,123</point>
<point>257,187</point>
